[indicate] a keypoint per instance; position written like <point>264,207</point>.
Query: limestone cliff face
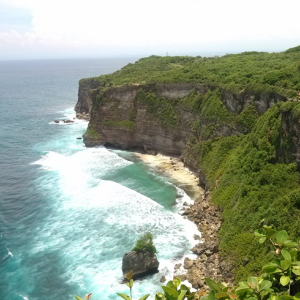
<point>169,118</point>
<point>86,93</point>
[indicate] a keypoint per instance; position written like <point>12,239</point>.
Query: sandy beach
<point>174,169</point>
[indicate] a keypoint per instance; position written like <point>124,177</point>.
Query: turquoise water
<point>69,213</point>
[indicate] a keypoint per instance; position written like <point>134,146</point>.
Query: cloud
<point>156,24</point>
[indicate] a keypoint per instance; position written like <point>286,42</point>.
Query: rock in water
<point>141,262</point>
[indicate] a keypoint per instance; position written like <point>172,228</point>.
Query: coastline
<point>173,168</point>
<point>201,212</point>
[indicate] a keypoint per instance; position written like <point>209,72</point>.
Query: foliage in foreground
<point>145,243</point>
<point>278,280</point>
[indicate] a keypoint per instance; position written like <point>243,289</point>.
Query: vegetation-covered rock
<point>142,259</point>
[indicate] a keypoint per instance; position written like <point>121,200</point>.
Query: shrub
<point>145,243</point>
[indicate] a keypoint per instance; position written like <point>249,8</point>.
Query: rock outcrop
<point>86,93</point>
<point>141,262</point>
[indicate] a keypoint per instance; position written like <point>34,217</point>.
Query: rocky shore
<point>83,116</point>
<point>204,214</point>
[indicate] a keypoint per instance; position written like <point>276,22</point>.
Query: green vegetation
<point>173,290</point>
<point>123,124</point>
<point>249,71</point>
<point>130,285</point>
<point>92,133</point>
<point>278,279</point>
<point>160,107</point>
<point>145,243</point>
<point>254,185</point>
<point>208,108</point>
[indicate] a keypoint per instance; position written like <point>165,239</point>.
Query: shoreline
<point>202,213</point>
<point>173,168</point>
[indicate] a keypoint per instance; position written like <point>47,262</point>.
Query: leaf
<point>253,281</point>
<point>286,255</point>
<point>131,283</point>
<point>182,294</point>
<point>265,293</point>
<point>265,284</point>
<point>177,281</point>
<point>171,285</point>
<point>290,244</point>
<point>262,240</point>
<point>222,295</point>
<point>285,264</point>
<point>274,297</point>
<point>293,253</point>
<point>232,296</point>
<point>170,291</point>
<point>124,296</point>
<point>242,289</point>
<point>78,298</point>
<point>286,297</point>
<point>281,237</point>
<point>243,283</point>
<point>270,265</point>
<point>144,297</point>
<point>296,271</point>
<point>213,285</point>
<point>88,296</point>
<point>159,296</point>
<point>183,287</point>
<point>128,276</point>
<point>259,232</point>
<point>251,285</point>
<point>284,280</point>
<point>271,268</point>
<point>211,295</point>
<point>297,296</point>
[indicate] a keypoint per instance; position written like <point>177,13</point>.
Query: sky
<point>36,29</point>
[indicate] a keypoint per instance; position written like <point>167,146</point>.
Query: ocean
<point>68,213</point>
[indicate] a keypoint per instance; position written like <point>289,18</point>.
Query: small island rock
<point>141,262</point>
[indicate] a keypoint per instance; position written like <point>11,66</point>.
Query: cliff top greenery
<point>255,71</point>
<point>145,243</point>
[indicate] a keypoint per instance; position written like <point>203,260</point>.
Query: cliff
<point>167,118</point>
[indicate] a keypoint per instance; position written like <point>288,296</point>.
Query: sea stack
<point>141,262</point>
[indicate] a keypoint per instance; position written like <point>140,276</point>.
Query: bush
<point>145,243</point>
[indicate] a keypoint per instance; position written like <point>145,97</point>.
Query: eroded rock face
<point>120,118</point>
<point>141,262</point>
<point>86,93</point>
